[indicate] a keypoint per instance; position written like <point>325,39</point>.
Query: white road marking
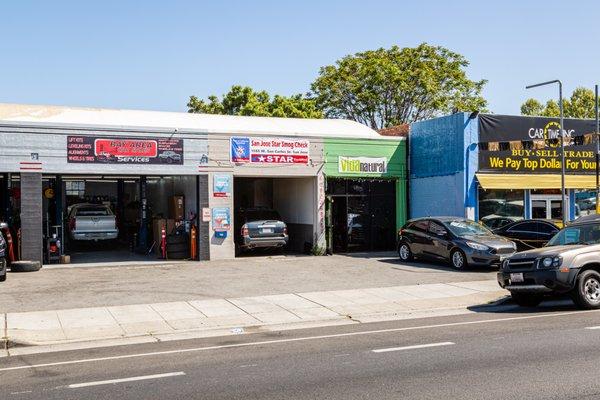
<point>299,339</point>
<point>23,392</point>
<point>593,327</point>
<point>248,365</point>
<point>418,346</point>
<point>132,379</point>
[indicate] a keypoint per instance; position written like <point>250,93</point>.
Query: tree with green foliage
<point>246,101</point>
<point>579,105</point>
<point>386,87</point>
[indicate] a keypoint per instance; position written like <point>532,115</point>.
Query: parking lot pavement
<point>71,288</point>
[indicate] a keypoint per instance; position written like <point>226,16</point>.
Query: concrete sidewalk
<point>214,317</point>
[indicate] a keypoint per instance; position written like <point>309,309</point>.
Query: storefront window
<point>585,201</point>
<point>538,209</point>
<point>501,203</point>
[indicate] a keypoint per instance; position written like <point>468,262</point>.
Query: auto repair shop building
<point>484,166</point>
<point>196,169</point>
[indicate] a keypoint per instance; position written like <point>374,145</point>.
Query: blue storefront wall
<point>443,159</point>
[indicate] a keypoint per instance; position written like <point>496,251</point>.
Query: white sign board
<point>269,150</point>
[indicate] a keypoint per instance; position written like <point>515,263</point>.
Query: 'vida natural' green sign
<point>362,165</point>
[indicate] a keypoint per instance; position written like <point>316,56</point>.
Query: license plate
<point>267,230</point>
<point>517,278</point>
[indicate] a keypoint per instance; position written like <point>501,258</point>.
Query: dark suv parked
<point>260,228</point>
<point>459,241</point>
<point>569,263</point>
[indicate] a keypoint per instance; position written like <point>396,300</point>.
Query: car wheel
<point>526,299</point>
<point>404,252</point>
<point>458,260</point>
<point>25,266</point>
<point>586,293</point>
<point>3,277</point>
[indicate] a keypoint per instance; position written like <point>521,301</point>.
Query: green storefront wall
<point>392,149</point>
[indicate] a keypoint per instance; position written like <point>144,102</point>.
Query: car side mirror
<point>443,234</point>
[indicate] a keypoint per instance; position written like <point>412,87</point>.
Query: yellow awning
<point>540,181</point>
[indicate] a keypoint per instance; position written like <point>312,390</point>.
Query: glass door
<point>547,207</point>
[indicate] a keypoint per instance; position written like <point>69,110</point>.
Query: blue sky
<point>154,54</point>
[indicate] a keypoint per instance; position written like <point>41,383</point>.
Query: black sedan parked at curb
<point>529,233</point>
<point>459,241</point>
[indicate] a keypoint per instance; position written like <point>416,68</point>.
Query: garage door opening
<point>273,215</point>
<point>101,219</point>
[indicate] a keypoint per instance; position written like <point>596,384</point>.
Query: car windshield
<point>259,215</point>
<point>582,234</point>
<point>464,227</point>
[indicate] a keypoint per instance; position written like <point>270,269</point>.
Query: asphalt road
<point>547,353</point>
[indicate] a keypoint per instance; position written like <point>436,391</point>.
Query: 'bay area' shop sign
<point>521,145</point>
<point>269,150</point>
<point>118,150</point>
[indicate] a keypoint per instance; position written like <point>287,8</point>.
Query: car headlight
<point>477,246</point>
<point>547,262</point>
<point>551,262</point>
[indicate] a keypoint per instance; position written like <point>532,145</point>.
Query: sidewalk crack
<point>320,305</point>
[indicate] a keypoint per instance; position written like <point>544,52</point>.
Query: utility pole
<point>597,152</point>
<point>562,131</point>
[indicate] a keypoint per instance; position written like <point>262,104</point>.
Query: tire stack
<point>178,247</point>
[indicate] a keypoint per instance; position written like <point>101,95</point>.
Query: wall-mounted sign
<point>514,144</point>
<point>120,150</point>
<point>203,162</point>
<point>362,165</point>
<point>221,221</point>
<point>49,193</point>
<point>205,214</point>
<point>269,150</point>
<point>221,185</point>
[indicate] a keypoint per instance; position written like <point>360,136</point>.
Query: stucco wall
<point>443,160</point>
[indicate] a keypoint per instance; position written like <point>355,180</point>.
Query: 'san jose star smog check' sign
<point>269,150</point>
<point>124,150</point>
<point>521,145</point>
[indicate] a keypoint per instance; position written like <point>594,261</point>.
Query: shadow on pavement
<point>436,265</point>
<point>550,304</point>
